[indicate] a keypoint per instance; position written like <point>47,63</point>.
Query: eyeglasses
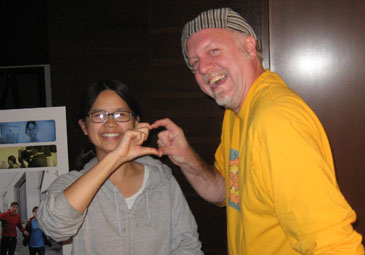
<point>103,116</point>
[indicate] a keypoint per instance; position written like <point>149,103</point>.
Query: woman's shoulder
<point>64,180</point>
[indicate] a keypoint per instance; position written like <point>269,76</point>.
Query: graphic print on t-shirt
<point>233,188</point>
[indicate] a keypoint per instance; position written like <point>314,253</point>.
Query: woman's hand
<point>82,191</point>
<point>130,147</point>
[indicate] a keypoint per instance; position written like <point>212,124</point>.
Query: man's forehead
<point>207,35</point>
<point>205,38</point>
<point>211,32</point>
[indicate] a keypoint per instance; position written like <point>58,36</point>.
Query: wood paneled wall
<point>318,48</point>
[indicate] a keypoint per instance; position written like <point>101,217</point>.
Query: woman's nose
<point>110,120</point>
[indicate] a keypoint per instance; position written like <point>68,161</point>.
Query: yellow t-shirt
<point>282,193</point>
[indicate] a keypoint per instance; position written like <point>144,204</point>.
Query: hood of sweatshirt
<point>159,175</point>
<point>159,171</point>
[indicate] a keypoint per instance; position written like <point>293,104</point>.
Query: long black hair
<point>88,99</point>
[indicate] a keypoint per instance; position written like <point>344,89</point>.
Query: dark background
<point>138,43</point>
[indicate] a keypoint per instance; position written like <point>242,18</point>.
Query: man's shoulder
<point>2,215</point>
<point>5,214</point>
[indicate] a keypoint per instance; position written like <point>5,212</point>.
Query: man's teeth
<point>216,79</point>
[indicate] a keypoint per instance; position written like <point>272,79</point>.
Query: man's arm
<point>205,179</point>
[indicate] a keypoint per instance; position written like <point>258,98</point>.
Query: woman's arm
<point>82,191</point>
<point>62,211</point>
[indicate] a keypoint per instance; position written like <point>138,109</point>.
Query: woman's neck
<point>128,178</point>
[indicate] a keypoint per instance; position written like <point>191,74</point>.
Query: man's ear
<point>83,126</point>
<point>250,46</point>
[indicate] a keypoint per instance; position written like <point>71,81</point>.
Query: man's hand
<point>205,179</point>
<point>172,142</point>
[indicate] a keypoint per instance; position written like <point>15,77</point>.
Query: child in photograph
<point>12,162</point>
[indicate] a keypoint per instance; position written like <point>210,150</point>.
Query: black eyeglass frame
<point>113,114</point>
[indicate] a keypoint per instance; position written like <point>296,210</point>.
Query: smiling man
<point>273,168</point>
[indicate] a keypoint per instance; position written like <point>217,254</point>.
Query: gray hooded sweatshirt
<point>159,222</point>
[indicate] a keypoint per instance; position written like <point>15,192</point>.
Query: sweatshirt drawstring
<point>116,204</point>
<point>148,207</point>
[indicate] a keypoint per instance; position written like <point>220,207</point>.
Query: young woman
<point>121,202</point>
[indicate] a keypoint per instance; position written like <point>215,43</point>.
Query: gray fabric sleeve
<point>184,234</point>
<point>56,217</point>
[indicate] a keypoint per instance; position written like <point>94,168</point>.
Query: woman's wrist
<point>115,159</point>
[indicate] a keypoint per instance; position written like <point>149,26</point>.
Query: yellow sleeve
<point>219,160</point>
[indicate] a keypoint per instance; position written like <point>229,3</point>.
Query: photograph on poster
<point>31,160</point>
<point>31,131</point>
<point>28,156</point>
<point>27,188</point>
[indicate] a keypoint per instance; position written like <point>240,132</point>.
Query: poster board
<point>33,153</point>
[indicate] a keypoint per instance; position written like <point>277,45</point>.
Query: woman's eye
<point>100,115</point>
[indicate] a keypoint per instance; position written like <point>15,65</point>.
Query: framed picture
<point>25,86</point>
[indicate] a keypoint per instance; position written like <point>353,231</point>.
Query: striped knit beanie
<point>215,18</point>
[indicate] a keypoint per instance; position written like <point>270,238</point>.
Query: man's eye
<point>213,51</point>
<point>194,64</point>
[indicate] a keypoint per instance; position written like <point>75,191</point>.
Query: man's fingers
<point>164,138</point>
<point>160,143</point>
<point>167,123</point>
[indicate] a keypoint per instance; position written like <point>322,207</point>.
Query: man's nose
<point>205,65</point>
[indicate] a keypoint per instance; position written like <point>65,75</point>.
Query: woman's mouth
<point>110,135</point>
